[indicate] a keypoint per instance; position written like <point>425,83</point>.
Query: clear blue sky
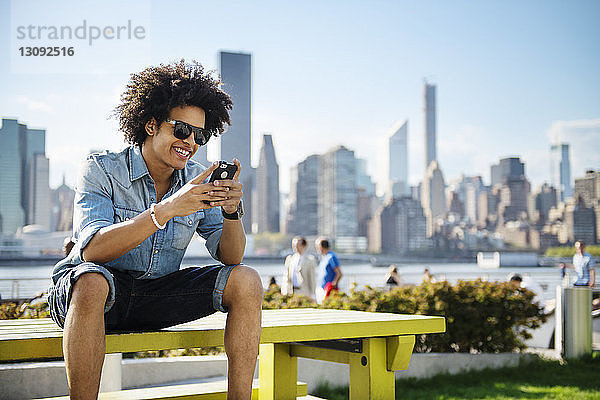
<point>510,74</point>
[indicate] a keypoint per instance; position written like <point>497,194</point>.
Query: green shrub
<point>481,316</point>
<point>37,309</point>
<point>273,299</point>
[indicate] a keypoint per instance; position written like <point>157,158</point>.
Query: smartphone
<point>224,171</point>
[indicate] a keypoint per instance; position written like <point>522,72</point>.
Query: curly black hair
<point>155,91</point>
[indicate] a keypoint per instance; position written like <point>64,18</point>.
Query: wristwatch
<point>237,214</point>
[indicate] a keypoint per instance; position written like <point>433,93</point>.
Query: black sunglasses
<point>183,130</point>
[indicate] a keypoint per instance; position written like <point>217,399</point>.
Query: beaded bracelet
<point>153,215</point>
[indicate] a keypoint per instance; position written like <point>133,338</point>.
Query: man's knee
<point>243,285</point>
<point>90,291</point>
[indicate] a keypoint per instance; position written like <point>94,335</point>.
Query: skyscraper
<point>560,170</point>
<point>12,215</point>
<point>38,191</point>
<point>510,167</point>
<point>62,208</point>
<point>430,124</point>
<point>587,188</point>
<point>540,203</point>
<point>24,177</point>
<point>236,142</point>
<point>337,194</point>
<point>396,161</point>
<point>433,195</point>
<point>398,227</point>
<point>267,189</point>
<point>303,212</point>
<point>473,186</point>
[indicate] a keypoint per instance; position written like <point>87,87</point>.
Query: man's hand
<point>189,198</point>
<point>227,193</point>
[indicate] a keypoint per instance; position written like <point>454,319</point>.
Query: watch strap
<point>236,215</point>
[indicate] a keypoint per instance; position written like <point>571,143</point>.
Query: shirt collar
<point>137,165</point>
<point>138,168</point>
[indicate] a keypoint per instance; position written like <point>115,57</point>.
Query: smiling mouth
<point>181,152</point>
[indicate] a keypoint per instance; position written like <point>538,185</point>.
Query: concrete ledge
<point>426,365</point>
<point>152,371</point>
<point>31,380</point>
<point>422,365</point>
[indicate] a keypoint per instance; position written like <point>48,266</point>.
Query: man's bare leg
<point>83,337</point>
<point>243,297</point>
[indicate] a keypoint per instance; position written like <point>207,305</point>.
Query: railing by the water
<point>19,289</point>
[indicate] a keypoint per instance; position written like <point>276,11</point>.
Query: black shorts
<point>148,304</point>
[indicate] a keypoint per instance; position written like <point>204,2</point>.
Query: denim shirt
<point>115,187</point>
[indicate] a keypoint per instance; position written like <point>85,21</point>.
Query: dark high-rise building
<point>580,221</point>
<point>267,189</point>
<point>236,74</point>
<point>588,187</point>
<point>398,227</point>
<point>510,167</point>
<point>455,205</point>
<point>514,194</point>
<point>540,204</point>
<point>303,212</point>
<point>509,176</point>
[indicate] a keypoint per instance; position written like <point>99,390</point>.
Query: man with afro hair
<point>135,214</point>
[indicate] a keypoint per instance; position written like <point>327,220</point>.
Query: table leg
<point>277,372</point>
<point>369,376</point>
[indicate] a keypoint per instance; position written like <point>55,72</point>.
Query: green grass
<point>540,379</point>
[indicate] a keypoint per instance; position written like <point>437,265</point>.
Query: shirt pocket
<point>125,214</point>
<point>184,228</point>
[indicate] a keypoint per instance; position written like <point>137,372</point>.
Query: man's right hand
<point>190,197</point>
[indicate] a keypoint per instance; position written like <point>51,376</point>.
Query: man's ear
<point>151,127</point>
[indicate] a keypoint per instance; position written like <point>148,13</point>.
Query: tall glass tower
<point>24,177</point>
<point>396,161</point>
<point>560,170</point>
<point>12,215</point>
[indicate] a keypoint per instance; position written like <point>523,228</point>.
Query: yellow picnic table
<point>373,344</point>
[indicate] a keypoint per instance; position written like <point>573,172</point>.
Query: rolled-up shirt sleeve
<point>93,208</point>
<point>210,228</point>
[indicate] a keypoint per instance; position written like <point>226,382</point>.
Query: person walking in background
<point>517,281</point>
<point>329,269</point>
<point>428,276</point>
<point>583,264</point>
<point>393,278</point>
<point>300,270</point>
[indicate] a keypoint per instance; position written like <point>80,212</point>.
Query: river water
<point>24,281</point>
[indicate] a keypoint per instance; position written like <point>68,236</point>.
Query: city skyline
<point>500,92</point>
